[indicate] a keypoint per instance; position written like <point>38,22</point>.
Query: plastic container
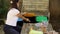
<point>41,18</point>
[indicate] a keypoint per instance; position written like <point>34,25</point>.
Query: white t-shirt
<point>11,17</point>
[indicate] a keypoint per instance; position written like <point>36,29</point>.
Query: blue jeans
<point>12,29</point>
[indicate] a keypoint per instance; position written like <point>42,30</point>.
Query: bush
<point>4,8</point>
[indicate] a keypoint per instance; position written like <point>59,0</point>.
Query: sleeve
<point>16,12</point>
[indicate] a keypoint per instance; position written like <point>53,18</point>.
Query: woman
<point>11,25</point>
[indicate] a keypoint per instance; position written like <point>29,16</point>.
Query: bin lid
<point>41,18</point>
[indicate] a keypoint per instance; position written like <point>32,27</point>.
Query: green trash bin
<point>41,18</point>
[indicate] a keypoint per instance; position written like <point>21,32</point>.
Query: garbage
<point>35,32</point>
<point>39,27</point>
<point>27,28</point>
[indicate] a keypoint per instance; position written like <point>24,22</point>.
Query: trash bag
<point>32,20</point>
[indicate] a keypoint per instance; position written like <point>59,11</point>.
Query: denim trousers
<point>13,29</point>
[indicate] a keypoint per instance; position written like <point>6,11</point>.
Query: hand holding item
<point>27,20</point>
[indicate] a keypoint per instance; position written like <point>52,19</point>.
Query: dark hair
<point>14,4</point>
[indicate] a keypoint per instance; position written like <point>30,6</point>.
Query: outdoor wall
<point>36,5</point>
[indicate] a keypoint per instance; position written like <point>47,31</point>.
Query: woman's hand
<point>27,20</point>
<point>20,16</point>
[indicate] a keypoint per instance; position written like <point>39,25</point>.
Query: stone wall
<point>36,5</point>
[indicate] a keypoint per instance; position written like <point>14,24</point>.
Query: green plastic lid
<point>41,18</point>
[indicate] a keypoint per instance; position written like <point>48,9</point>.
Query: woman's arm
<point>20,16</point>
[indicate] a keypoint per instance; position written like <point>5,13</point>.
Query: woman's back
<point>11,17</point>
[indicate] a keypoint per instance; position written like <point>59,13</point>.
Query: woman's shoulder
<point>13,10</point>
